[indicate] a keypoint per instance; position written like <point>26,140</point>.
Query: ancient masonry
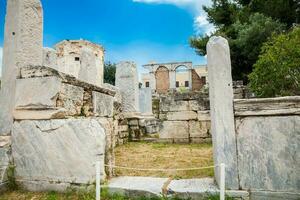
<point>57,118</point>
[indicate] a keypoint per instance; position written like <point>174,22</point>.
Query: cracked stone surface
<point>57,151</point>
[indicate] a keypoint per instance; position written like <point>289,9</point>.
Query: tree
<point>109,73</point>
<point>277,71</point>
<point>247,24</point>
<point>250,37</point>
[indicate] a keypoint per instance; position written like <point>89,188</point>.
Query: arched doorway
<point>162,80</point>
<point>182,77</point>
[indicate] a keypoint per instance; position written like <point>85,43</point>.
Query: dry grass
<point>165,156</point>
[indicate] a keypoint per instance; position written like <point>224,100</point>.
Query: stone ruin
<point>55,124</point>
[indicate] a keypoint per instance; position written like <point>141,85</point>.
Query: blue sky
<point>137,30</point>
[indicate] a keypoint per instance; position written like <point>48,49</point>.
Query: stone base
<point>267,195</point>
<point>54,154</point>
<point>46,186</point>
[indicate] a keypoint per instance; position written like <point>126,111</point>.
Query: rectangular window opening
<point>186,84</point>
<point>147,84</point>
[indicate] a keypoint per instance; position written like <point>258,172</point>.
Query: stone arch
<point>162,79</point>
<point>182,76</point>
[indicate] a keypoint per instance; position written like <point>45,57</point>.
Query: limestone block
<point>58,113</point>
<point>268,153</point>
<point>197,105</point>
<point>50,58</point>
<point>71,99</point>
<point>221,108</point>
<point>199,129</point>
<point>167,105</point>
<point>57,151</point>
<point>88,70</point>
<point>174,130</point>
<point>103,104</point>
<point>133,122</point>
<point>127,82</point>
<point>23,42</point>
<point>145,101</point>
<point>37,93</point>
<point>204,115</point>
<point>183,115</point>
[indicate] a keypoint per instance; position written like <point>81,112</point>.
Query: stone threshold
<point>183,188</point>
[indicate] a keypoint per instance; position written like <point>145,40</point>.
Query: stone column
<point>221,108</point>
<point>145,101</point>
<point>127,82</point>
<point>23,45</point>
<point>190,79</point>
<point>88,69</point>
<point>172,76</point>
<point>152,81</point>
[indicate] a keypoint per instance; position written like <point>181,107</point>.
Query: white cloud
<point>201,25</point>
<point>1,56</point>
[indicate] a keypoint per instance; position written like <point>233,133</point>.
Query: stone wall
<point>267,132</point>
<point>62,126</point>
<point>184,117</point>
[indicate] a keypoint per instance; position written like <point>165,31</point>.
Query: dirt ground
<point>165,156</point>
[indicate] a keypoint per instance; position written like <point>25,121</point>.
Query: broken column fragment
<point>127,82</point>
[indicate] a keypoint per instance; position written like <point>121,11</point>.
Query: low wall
<point>62,126</point>
<point>184,117</point>
<point>267,135</point>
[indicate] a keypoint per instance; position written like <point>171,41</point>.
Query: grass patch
<point>165,156</point>
<point>81,195</point>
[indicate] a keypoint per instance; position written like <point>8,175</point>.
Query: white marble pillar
<point>221,109</point>
<point>23,46</point>
<point>127,82</point>
<point>172,76</point>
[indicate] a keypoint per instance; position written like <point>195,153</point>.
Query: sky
<point>136,30</point>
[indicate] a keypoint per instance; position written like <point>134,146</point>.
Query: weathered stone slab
<point>103,104</point>
<point>145,101</point>
<point>221,108</point>
<point>88,70</point>
<point>199,129</point>
<point>59,113</point>
<point>57,151</point>
<point>37,93</point>
<point>127,82</point>
<point>174,130</point>
<point>268,153</point>
<point>266,195</point>
<point>50,58</point>
<point>42,71</point>
<point>137,186</point>
<point>23,42</point>
<point>267,106</point>
<point>183,115</point>
<point>168,104</point>
<point>204,115</point>
<point>70,98</point>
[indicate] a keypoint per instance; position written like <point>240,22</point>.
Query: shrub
<point>277,71</point>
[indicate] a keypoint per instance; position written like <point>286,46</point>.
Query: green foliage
<point>12,184</point>
<point>109,73</point>
<point>277,72</point>
<point>250,37</point>
<point>247,24</point>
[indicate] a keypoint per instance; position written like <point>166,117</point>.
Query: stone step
<point>185,188</point>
